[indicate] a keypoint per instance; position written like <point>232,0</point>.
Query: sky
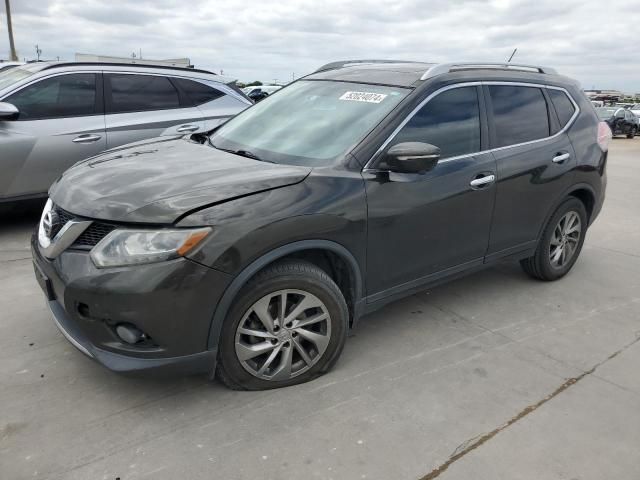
<point>595,42</point>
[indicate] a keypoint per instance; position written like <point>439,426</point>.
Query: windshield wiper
<point>244,153</point>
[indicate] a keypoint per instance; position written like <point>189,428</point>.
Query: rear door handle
<point>485,180</point>
<point>187,128</point>
<point>86,138</point>
<point>561,157</point>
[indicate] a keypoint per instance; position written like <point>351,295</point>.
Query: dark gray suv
<point>249,251</point>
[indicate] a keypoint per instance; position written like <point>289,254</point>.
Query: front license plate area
<point>44,283</point>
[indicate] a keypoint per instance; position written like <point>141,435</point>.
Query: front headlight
<point>134,247</point>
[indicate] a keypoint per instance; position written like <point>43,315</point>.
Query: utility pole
<point>38,52</point>
<point>12,45</point>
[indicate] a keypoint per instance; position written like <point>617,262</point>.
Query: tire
<point>632,134</point>
<point>544,264</point>
<point>294,281</point>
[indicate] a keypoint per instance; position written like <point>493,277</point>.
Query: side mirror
<point>8,111</point>
<point>412,157</point>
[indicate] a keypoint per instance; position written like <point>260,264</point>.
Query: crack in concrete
<point>15,259</point>
<point>472,444</point>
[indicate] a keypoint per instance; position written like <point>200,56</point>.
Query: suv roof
<point>136,67</point>
<point>49,65</point>
<point>404,73</point>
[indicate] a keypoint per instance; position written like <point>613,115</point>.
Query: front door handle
<point>188,128</point>
<point>86,138</point>
<point>481,181</point>
<point>561,157</point>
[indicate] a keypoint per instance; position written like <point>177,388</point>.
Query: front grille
<point>63,217</point>
<point>92,235</point>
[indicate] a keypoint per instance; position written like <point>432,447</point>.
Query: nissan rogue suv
<point>53,114</point>
<point>248,252</point>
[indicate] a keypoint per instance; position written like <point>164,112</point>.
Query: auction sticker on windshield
<point>363,97</point>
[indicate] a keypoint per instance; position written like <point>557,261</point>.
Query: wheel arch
<point>587,196</point>
<point>583,192</point>
<point>292,250</point>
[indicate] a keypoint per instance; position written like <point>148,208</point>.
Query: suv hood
<point>159,181</point>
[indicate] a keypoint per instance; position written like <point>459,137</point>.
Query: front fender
<point>232,290</point>
<point>248,228</point>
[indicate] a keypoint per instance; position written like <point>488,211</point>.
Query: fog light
<point>130,334</point>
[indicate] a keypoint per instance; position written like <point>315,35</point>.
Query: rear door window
<point>197,93</point>
<point>450,121</point>
<point>139,93</point>
<point>62,96</point>
<point>519,114</point>
<point>563,105</point>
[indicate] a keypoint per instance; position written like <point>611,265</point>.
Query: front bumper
<point>171,302</point>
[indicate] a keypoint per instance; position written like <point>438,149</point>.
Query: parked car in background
<point>55,114</point>
<point>257,93</point>
<point>620,120</point>
<point>7,65</point>
<point>635,109</point>
<point>250,252</point>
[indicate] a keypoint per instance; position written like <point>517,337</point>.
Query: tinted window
<point>519,113</point>
<point>564,107</point>
<point>136,93</point>
<point>57,97</point>
<point>450,121</point>
<point>197,93</point>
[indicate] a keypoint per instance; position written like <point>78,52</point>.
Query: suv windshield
<point>308,123</point>
<point>12,75</point>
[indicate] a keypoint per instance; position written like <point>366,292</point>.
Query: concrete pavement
<point>494,376</point>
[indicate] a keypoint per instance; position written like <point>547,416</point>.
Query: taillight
<point>604,136</point>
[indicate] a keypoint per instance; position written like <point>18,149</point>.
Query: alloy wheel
<point>565,239</point>
<point>283,334</point>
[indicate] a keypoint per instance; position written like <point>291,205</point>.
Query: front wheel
<point>632,133</point>
<point>560,244</point>
<point>287,326</point>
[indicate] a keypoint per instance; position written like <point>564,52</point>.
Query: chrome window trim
<point>21,86</point>
<point>490,150</point>
<point>39,76</point>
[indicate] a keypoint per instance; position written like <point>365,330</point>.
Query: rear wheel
<point>560,244</point>
<point>287,326</point>
<point>632,133</point>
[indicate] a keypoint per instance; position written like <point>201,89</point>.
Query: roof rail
<point>449,67</point>
<point>118,64</point>
<point>348,63</point>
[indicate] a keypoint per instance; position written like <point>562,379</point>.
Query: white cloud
<point>596,43</point>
